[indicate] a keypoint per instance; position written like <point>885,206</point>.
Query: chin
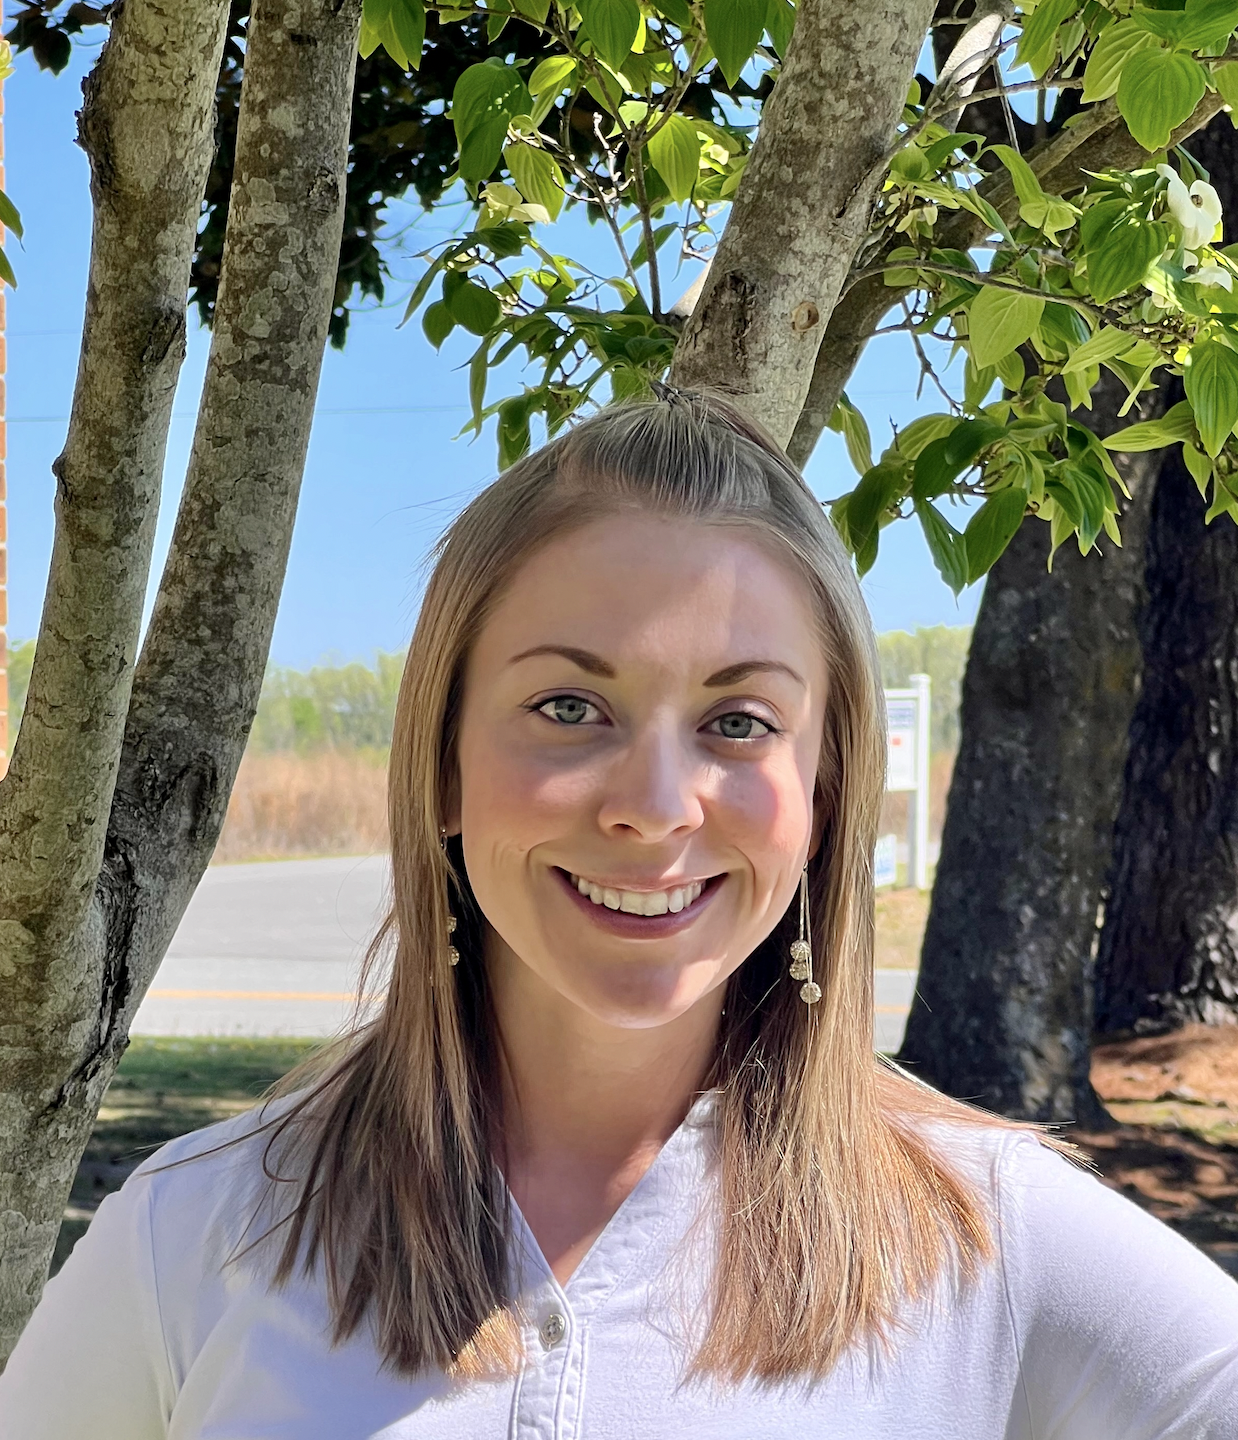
<point>642,1001</point>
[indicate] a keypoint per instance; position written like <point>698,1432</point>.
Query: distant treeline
<point>940,652</point>
<point>352,707</point>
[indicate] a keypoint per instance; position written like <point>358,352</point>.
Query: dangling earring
<point>801,950</point>
<point>453,955</point>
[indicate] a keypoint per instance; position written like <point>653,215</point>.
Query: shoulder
<point>204,1192</point>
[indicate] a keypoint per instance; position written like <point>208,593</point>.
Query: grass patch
<point>165,1087</point>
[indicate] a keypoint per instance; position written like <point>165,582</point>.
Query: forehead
<point>641,585</point>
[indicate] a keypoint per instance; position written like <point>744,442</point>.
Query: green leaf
<point>1211,380</point>
<point>941,462</point>
<point>554,73</point>
<point>947,547</point>
<point>1038,42</point>
<point>678,12</point>
<point>437,323</point>
<point>977,382</point>
<point>1198,465</point>
<point>514,429</point>
<point>675,151</point>
<point>6,271</point>
<point>779,23</point>
<point>407,27</point>
<point>532,10</point>
<point>474,307</point>
<point>1120,247</point>
<point>1207,23</point>
<point>992,528</point>
<point>477,383</point>
<point>1177,423</point>
<point>1225,78</point>
<point>1106,344</point>
<point>9,217</point>
<point>419,290</point>
<point>537,176</point>
<point>1157,91</point>
<point>851,425</point>
<point>734,29</point>
<point>1000,320</point>
<point>1115,47</point>
<point>923,430</point>
<point>1095,498</point>
<point>612,26</point>
<point>482,105</point>
<point>660,236</point>
<point>1049,213</point>
<point>878,488</point>
<point>1011,371</point>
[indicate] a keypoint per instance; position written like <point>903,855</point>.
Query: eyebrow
<point>593,664</point>
<point>589,662</point>
<point>733,674</point>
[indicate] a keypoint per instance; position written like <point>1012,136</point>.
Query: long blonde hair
<point>833,1206</point>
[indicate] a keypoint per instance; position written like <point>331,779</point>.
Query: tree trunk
<point>146,126</point>
<point>196,687</point>
<point>803,204</point>
<point>1003,1012</point>
<point>201,668</point>
<point>1169,947</point>
<point>1168,950</point>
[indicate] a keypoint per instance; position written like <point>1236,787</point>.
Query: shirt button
<point>554,1327</point>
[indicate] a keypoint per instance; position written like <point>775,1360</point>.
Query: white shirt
<point>1094,1322</point>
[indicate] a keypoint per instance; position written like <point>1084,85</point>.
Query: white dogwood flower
<point>1212,275</point>
<point>1197,210</point>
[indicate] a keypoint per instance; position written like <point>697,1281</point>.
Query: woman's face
<point>638,749</point>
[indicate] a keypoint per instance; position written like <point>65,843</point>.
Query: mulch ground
<point>1175,1148</point>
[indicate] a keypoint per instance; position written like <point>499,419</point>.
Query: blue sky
<point>384,474</point>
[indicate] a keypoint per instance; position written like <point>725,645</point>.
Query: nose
<point>653,791</point>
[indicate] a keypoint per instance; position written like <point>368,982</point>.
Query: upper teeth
<point>639,902</point>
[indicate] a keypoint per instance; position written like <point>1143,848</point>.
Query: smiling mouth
<point>639,902</point>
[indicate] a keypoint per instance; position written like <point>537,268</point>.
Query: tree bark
<point>146,126</point>
<point>1168,949</point>
<point>803,204</point>
<point>199,676</point>
<point>201,668</point>
<point>1003,1011</point>
<point>1169,946</point>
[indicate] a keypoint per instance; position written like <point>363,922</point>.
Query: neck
<point>587,1105</point>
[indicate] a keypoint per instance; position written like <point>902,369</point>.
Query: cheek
<point>516,790</point>
<point>767,810</point>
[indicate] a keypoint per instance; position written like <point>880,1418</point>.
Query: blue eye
<point>738,725</point>
<point>569,710</point>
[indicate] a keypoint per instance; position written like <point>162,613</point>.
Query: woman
<point>615,1158</point>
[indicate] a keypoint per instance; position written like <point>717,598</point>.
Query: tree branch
<point>147,127</point>
<point>201,667</point>
<point>802,206</point>
<point>1097,140</point>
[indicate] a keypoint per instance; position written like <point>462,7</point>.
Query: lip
<point>640,927</point>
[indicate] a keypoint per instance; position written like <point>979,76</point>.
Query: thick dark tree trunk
<point>1003,1011</point>
<point>1169,948</point>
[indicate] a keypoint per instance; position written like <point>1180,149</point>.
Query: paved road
<point>275,949</point>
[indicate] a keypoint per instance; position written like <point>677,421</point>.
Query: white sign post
<point>907,770</point>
